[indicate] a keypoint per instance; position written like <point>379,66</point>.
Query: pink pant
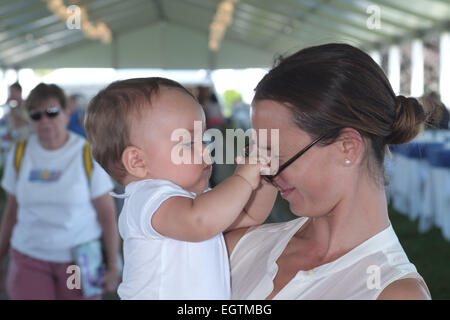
<point>33,279</point>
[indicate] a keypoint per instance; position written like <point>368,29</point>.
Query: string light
<point>100,31</point>
<point>222,19</point>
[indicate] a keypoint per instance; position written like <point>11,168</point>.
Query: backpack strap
<point>87,160</point>
<point>18,155</point>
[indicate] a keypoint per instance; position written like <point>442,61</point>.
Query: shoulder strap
<point>18,155</point>
<point>87,160</point>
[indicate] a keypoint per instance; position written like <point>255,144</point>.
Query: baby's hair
<point>110,112</point>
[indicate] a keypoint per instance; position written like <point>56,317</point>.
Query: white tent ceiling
<point>173,34</point>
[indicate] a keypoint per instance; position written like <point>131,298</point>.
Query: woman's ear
<point>350,145</point>
<point>134,162</point>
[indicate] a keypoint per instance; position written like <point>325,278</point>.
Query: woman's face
<point>50,129</point>
<point>312,184</point>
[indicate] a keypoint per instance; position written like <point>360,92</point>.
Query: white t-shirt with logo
<point>158,267</point>
<point>55,212</point>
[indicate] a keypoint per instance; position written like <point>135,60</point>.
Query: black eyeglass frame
<point>269,178</point>
<point>51,112</point>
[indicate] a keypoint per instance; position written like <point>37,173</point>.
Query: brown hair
<point>335,86</point>
<point>109,114</point>
<point>43,92</point>
<point>16,85</point>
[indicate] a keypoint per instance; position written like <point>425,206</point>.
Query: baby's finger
<point>264,169</point>
<point>239,160</point>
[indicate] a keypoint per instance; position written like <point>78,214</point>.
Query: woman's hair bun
<point>409,116</point>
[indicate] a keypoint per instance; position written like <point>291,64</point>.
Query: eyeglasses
<point>270,178</point>
<point>50,113</point>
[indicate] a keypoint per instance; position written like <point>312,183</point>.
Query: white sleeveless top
<point>362,273</point>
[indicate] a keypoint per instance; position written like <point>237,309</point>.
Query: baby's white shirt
<point>158,267</point>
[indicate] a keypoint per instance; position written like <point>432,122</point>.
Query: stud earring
<point>347,162</point>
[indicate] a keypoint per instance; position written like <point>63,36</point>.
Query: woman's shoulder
<point>275,227</point>
<point>76,139</point>
<point>405,289</point>
<point>232,238</point>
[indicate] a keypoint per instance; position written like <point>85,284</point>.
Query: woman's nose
<point>44,119</point>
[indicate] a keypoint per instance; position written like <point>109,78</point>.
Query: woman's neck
<point>55,143</point>
<point>352,221</point>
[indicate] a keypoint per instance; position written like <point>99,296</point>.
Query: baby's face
<point>172,110</point>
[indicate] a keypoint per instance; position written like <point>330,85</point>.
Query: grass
<point>429,252</point>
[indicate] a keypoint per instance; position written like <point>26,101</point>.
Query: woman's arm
<point>258,207</point>
<point>405,289</point>
<point>8,221</point>
<point>106,215</point>
<point>233,237</point>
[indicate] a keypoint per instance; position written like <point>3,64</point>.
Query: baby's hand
<point>251,167</point>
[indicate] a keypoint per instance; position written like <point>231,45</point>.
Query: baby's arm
<point>211,212</point>
<point>261,202</point>
<point>258,207</point>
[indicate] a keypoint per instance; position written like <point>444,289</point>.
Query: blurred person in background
<point>214,119</point>
<point>54,203</point>
<point>213,110</point>
<point>15,125</point>
<point>440,115</point>
<point>241,114</point>
<point>77,108</point>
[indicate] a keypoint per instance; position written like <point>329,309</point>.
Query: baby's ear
<point>133,161</point>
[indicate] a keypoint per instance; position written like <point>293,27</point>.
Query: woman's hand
<point>1,276</point>
<point>106,215</point>
<point>7,224</point>
<point>110,280</point>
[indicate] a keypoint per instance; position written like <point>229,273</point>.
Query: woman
<point>53,205</point>
<point>335,102</point>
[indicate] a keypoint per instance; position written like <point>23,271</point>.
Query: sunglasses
<point>50,113</point>
<point>270,178</point>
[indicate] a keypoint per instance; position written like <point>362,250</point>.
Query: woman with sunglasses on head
<point>334,102</point>
<point>54,203</point>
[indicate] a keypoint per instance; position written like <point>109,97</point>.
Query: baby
<point>171,222</point>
